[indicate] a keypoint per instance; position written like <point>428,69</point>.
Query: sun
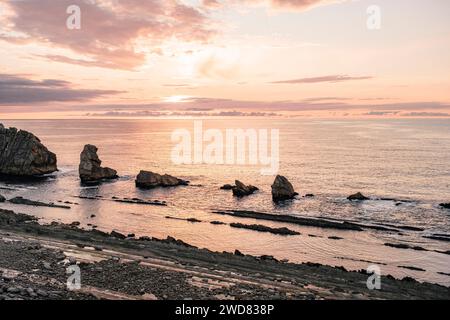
<point>176,99</point>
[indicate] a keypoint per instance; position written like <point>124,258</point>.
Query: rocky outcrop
<point>28,202</point>
<point>149,180</point>
<point>2,198</point>
<point>282,189</point>
<point>23,154</point>
<point>445,205</point>
<point>90,168</point>
<point>241,190</point>
<point>357,197</point>
<point>227,187</point>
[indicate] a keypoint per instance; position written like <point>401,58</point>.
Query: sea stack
<point>282,189</point>
<point>149,180</point>
<point>23,154</point>
<point>90,168</point>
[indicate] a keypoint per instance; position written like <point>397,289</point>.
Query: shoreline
<point>114,266</point>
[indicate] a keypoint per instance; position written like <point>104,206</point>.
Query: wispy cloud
<point>330,78</point>
<point>15,90</point>
<point>277,4</point>
<point>110,30</point>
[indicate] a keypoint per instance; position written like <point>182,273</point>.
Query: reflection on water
<point>404,159</point>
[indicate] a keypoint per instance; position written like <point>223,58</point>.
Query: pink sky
<point>137,57</point>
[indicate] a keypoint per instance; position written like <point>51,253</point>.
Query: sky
<point>234,58</point>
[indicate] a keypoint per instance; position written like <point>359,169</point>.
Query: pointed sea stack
<point>23,154</point>
<point>282,189</point>
<point>90,168</point>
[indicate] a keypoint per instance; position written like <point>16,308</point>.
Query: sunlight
<point>176,99</point>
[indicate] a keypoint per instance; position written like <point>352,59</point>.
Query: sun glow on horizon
<point>176,99</point>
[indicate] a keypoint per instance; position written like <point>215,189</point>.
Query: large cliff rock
<point>282,189</point>
<point>23,154</point>
<point>90,168</point>
<point>148,180</point>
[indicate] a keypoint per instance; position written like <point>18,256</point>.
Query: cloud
<point>426,114</point>
<point>16,90</point>
<point>110,30</point>
<point>381,113</point>
<point>198,113</point>
<point>276,4</point>
<point>331,78</point>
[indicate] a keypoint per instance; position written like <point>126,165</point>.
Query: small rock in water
<point>2,198</point>
<point>445,205</point>
<point>357,197</point>
<point>227,187</point>
<point>148,180</point>
<point>241,190</point>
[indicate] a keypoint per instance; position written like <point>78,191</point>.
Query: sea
<point>403,165</point>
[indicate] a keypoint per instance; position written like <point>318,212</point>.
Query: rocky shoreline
<point>34,258</point>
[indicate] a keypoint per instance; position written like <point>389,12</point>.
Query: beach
<point>34,261</point>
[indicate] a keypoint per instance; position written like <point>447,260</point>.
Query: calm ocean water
<point>404,159</point>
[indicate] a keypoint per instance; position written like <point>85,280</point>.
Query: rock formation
<point>2,198</point>
<point>148,180</point>
<point>241,190</point>
<point>90,168</point>
<point>357,197</point>
<point>445,205</point>
<point>282,189</point>
<point>23,154</point>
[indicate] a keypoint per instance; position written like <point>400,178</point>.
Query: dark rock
<point>148,180</point>
<point>261,228</point>
<point>117,235</point>
<point>335,238</point>
<point>309,195</point>
<point>241,190</point>
<point>357,197</point>
<point>227,187</point>
<point>27,202</point>
<point>268,258</point>
<point>23,154</point>
<point>312,222</point>
<point>2,198</point>
<point>404,246</point>
<point>412,268</point>
<point>282,189</point>
<point>90,168</point>
<point>445,205</point>
<point>217,222</point>
<point>238,253</point>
